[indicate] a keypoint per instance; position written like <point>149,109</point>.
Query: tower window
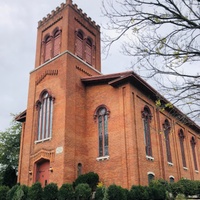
<point>166,127</point>
<point>181,139</point>
<point>88,51</point>
<point>79,44</point>
<point>47,48</point>
<point>146,115</point>
<point>56,42</point>
<point>193,144</point>
<point>45,114</point>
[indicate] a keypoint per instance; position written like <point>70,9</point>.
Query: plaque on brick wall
<point>59,150</point>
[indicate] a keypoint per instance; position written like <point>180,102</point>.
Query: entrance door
<point>42,172</point>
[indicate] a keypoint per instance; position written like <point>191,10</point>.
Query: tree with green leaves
<point>162,37</point>
<point>9,153</point>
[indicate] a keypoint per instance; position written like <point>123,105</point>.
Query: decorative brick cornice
<point>43,154</point>
<point>47,72</point>
<point>82,70</point>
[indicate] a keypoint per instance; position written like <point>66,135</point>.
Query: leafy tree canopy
<point>162,36</point>
<point>9,153</point>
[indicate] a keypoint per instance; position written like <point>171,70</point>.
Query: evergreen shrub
<point>3,192</point>
<point>116,192</point>
<point>83,191</point>
<point>66,192</point>
<point>35,191</point>
<point>50,192</point>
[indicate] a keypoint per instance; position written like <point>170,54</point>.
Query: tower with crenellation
<point>67,48</point>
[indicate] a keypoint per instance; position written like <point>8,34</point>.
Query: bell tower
<point>67,49</point>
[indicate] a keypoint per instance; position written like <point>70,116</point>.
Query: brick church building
<point>78,120</point>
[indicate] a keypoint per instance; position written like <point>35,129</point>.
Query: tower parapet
<point>62,6</point>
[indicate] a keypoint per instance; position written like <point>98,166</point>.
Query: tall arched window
<point>102,118</point>
<point>146,115</point>
<point>88,51</point>
<point>45,114</point>
<point>166,127</point>
<point>79,44</point>
<point>56,42</point>
<point>193,144</point>
<point>47,48</point>
<point>181,139</point>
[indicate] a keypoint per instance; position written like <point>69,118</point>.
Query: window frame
<point>79,44</point>
<point>47,47</point>
<point>147,117</point>
<point>193,147</point>
<point>56,36</point>
<point>182,147</point>
<point>102,125</point>
<point>44,108</point>
<point>167,129</point>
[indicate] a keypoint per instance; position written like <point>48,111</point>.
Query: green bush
<point>50,192</point>
<point>138,193</point>
<point>83,191</point>
<point>184,186</point>
<point>10,193</point>
<point>116,192</point>
<point>90,178</point>
<point>3,192</point>
<point>157,190</point>
<point>21,193</point>
<point>35,191</point>
<point>189,187</point>
<point>66,192</point>
<point>100,192</point>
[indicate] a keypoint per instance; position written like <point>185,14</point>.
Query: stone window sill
<point>149,158</point>
<point>170,164</point>
<point>103,158</point>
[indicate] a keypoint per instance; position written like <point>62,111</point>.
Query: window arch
<point>146,115</point>
<point>181,139</point>
<point>102,114</point>
<point>45,114</point>
<point>79,43</point>
<point>167,128</point>
<point>47,48</point>
<point>88,51</point>
<point>56,41</point>
<point>193,144</point>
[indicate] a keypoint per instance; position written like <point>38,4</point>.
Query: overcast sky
<point>18,27</point>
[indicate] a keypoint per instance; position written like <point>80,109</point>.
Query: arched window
<point>56,42</point>
<point>47,48</point>
<point>79,44</point>
<point>166,127</point>
<point>181,139</point>
<point>102,118</point>
<point>193,144</point>
<point>171,179</point>
<point>88,51</point>
<point>146,115</point>
<point>79,170</point>
<point>45,114</point>
<point>151,177</point>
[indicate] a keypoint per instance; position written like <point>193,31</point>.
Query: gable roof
<point>118,79</point>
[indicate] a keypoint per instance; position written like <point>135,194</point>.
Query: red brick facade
<point>76,88</point>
